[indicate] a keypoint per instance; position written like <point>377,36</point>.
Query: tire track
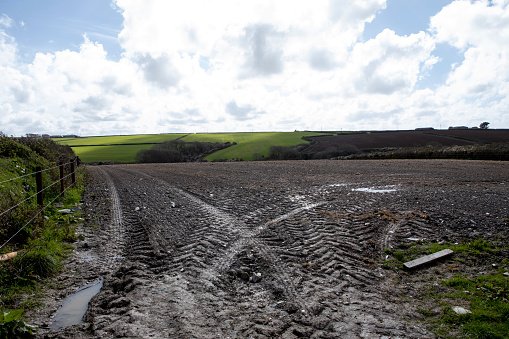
<point>183,252</point>
<point>225,255</point>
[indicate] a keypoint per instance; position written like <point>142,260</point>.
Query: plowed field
<point>272,249</point>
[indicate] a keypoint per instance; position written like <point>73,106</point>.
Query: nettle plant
<point>11,326</point>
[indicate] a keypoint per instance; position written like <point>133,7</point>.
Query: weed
<point>484,295</point>
<point>399,255</point>
<point>12,327</point>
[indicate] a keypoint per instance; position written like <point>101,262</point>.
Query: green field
<point>121,139</point>
<point>118,148</point>
<point>123,148</point>
<point>249,144</point>
<point>116,153</point>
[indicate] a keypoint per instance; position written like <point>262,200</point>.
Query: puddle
<point>75,306</point>
<point>385,189</point>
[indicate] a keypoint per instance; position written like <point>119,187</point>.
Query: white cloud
<point>481,81</point>
<point>5,21</point>
<point>389,62</point>
<point>354,13</point>
<point>260,65</point>
<point>158,71</point>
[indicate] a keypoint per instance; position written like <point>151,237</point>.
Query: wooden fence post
<point>62,188</point>
<point>73,172</point>
<point>40,200</point>
<point>38,184</point>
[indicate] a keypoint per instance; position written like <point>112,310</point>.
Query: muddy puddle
<point>75,306</point>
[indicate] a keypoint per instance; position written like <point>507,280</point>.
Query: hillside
<point>369,141</point>
<point>123,149</point>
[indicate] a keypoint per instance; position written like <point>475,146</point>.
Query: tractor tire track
<point>214,272</point>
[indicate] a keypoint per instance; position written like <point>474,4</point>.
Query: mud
<point>267,249</point>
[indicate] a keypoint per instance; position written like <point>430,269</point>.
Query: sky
<point>109,67</point>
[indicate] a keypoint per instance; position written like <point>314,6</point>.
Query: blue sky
<point>100,67</point>
<point>50,25</point>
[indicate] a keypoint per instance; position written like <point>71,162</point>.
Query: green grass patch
<point>123,148</point>
<point>42,255</point>
<point>249,145</point>
<point>116,153</point>
<point>120,139</point>
<point>487,297</point>
<point>119,148</point>
<point>476,286</point>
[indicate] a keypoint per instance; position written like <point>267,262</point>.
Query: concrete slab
<point>427,259</point>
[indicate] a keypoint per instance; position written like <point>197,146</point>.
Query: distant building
<point>33,135</point>
<point>458,127</point>
<point>45,136</point>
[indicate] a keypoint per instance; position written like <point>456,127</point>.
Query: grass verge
<point>23,278</point>
<point>476,279</point>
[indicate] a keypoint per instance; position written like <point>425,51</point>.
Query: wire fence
<point>40,189</point>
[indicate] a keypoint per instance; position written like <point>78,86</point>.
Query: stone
<point>256,277</point>
<point>460,310</point>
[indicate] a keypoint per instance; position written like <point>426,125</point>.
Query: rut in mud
<point>268,249</point>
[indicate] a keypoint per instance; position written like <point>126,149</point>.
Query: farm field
<point>398,139</point>
<point>120,149</point>
<point>249,144</point>
<point>121,139</point>
<point>278,249</point>
<point>123,149</point>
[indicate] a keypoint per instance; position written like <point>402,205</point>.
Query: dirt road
<point>272,249</point>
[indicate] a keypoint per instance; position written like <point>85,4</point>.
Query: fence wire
<point>44,170</point>
<point>32,196</point>
<point>35,216</point>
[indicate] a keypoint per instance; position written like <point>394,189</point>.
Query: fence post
<point>73,172</point>
<point>62,188</point>
<point>38,184</point>
<point>40,200</point>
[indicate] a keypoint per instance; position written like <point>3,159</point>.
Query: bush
<point>178,151</point>
<point>284,153</point>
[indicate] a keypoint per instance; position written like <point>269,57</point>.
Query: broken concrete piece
<point>427,259</point>
<point>460,310</point>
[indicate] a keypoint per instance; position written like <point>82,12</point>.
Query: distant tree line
<point>179,151</point>
<point>495,151</point>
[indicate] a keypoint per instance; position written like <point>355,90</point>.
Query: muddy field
<point>404,139</point>
<point>268,249</point>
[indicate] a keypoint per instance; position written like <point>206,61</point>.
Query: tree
<point>484,125</point>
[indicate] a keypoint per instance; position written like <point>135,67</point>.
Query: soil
<point>288,249</point>
<point>403,139</point>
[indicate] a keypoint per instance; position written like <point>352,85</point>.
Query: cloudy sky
<point>99,67</point>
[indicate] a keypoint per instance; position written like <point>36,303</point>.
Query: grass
<point>123,148</point>
<point>119,148</point>
<point>484,293</point>
<point>117,153</point>
<point>249,145</point>
<point>487,297</point>
<point>120,139</point>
